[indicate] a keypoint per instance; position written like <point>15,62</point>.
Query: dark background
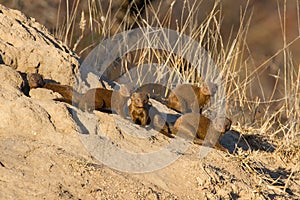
<point>265,36</point>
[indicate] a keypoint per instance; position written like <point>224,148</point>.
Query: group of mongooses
<point>189,100</point>
<point>186,99</point>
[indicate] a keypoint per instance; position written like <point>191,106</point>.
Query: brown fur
<point>93,99</point>
<point>69,95</point>
<point>101,99</point>
<point>35,80</point>
<point>139,108</point>
<point>189,98</point>
<point>158,123</point>
<point>141,112</point>
<point>195,127</point>
<point>156,91</point>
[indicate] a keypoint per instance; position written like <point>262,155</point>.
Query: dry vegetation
<point>269,124</point>
<point>272,120</point>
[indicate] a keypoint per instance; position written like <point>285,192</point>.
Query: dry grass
<point>276,118</point>
<point>233,59</point>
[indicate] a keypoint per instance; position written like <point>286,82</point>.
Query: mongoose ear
<point>209,88</point>
<point>227,124</point>
<point>148,95</point>
<point>29,75</point>
<point>133,95</point>
<point>205,89</point>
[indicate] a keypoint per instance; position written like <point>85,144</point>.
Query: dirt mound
<point>45,153</point>
<point>27,46</point>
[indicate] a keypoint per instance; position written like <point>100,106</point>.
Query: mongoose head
<point>222,127</point>
<point>209,88</point>
<point>140,100</point>
<point>35,80</point>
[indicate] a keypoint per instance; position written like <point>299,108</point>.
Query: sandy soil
<point>52,150</point>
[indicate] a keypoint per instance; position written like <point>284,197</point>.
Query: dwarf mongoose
<point>35,80</point>
<point>196,127</point>
<point>156,91</point>
<point>93,99</point>
<point>143,113</point>
<point>69,95</point>
<point>190,98</point>
<point>139,108</point>
<point>103,99</point>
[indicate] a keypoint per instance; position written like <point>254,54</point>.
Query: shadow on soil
<point>233,139</point>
